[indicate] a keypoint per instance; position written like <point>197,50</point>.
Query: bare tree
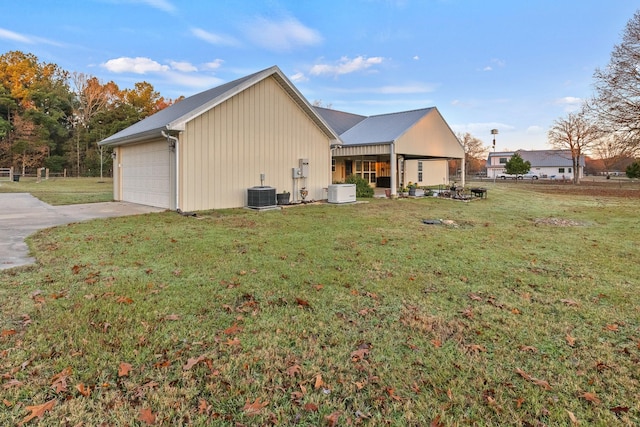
<point>475,152</point>
<point>610,150</point>
<point>617,99</point>
<point>575,133</point>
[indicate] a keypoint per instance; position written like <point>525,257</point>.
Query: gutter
<point>175,146</point>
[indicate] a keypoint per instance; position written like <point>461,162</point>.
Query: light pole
<point>494,132</point>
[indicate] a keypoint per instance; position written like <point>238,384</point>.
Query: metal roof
<point>340,121</point>
<point>175,117</point>
<point>384,128</point>
<point>549,158</point>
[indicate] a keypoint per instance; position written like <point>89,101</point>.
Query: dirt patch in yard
<point>624,189</point>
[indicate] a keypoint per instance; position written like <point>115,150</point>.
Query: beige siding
<point>432,137</point>
<point>260,130</point>
<point>434,172</point>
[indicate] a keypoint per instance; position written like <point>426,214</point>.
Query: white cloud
<point>570,103</point>
<point>214,39</point>
<point>281,36</point>
<point>213,65</point>
<point>345,66</point>
<point>22,38</point>
<point>196,81</point>
<point>416,57</point>
<point>535,130</point>
<point>185,67</point>
<point>10,35</point>
<point>163,5</point>
<point>494,63</point>
<point>299,77</point>
<point>137,65</point>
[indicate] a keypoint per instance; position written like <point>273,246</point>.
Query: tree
<point>617,99</point>
<point>516,165</point>
<point>475,152</point>
<point>575,133</point>
<point>633,170</point>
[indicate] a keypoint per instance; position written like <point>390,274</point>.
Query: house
<point>209,151</point>
<point>391,150</point>
<point>551,164</point>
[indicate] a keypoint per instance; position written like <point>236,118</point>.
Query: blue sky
<point>511,65</point>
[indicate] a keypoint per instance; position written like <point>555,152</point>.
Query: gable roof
<point>549,158</point>
<point>383,128</point>
<point>539,158</point>
<point>175,117</point>
<point>340,121</point>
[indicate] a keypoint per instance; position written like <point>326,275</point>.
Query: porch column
<point>394,170</point>
<point>464,170</point>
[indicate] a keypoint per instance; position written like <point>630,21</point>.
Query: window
<point>333,165</point>
<point>503,160</point>
<point>569,170</point>
<point>419,171</point>
<point>560,170</point>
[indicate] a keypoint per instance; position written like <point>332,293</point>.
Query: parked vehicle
<point>528,175</point>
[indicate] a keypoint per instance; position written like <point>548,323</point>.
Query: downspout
<point>394,165</point>
<point>175,148</point>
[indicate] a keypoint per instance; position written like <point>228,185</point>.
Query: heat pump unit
<point>342,193</point>
<point>261,197</point>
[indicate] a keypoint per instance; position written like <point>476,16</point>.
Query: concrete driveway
<point>21,214</point>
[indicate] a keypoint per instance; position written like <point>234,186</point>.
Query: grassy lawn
<point>63,191</point>
<point>521,311</point>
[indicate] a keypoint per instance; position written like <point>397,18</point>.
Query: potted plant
<point>412,188</point>
<point>403,191</point>
<point>283,198</point>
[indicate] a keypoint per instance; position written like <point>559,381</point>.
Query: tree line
<point>53,118</point>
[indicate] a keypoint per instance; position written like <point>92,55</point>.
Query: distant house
<point>391,150</point>
<point>552,164</point>
<point>206,151</point>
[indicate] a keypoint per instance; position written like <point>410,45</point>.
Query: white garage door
<point>146,174</point>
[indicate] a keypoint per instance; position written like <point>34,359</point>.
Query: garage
<point>146,174</point>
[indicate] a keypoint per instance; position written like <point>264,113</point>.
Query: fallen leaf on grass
<point>232,330</point>
<point>172,317</point>
<point>7,332</point>
<point>436,343</point>
<point>319,383</point>
<point>59,381</point>
<point>519,401</point>
<point>83,390</point>
<point>573,418</point>
<point>613,327</point>
<point>359,354</point>
<point>311,407</point>
<point>591,397</point>
<point>123,369</point>
<point>294,370</point>
<point>332,420</point>
<point>255,407</point>
<point>147,416</point>
<point>38,410</point>
<point>542,383</point>
<point>302,303</point>
<point>528,348</point>
<point>12,383</point>
<point>619,409</point>
<point>124,300</point>
<point>475,348</point>
<point>193,361</point>
<point>569,302</point>
<point>570,340</point>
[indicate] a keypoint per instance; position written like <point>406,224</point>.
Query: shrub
<point>362,186</point>
<point>633,170</point>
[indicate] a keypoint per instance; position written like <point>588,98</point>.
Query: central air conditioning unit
<point>261,197</point>
<point>341,193</point>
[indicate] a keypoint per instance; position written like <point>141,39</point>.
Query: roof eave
<point>143,136</point>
